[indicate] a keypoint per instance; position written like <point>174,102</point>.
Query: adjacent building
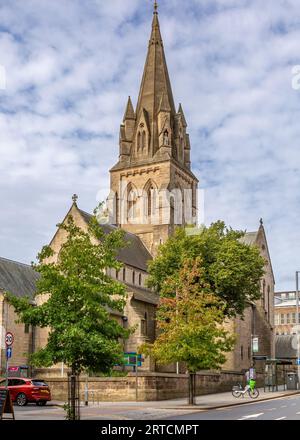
<point>285,318</point>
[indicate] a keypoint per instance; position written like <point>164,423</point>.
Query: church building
<point>153,190</point>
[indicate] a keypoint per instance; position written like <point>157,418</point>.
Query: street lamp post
<point>298,323</point>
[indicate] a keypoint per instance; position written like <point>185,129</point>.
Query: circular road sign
<point>9,339</point>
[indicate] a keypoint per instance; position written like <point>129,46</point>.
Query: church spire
<point>155,82</point>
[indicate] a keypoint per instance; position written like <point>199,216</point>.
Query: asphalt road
<point>33,412</point>
<point>284,408</point>
<point>287,408</point>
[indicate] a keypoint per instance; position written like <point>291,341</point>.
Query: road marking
<point>271,409</point>
<point>281,418</point>
<point>298,412</point>
<point>283,406</point>
<point>251,416</point>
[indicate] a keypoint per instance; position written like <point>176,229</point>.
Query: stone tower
<point>152,186</point>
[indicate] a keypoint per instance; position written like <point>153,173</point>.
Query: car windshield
<point>39,383</point>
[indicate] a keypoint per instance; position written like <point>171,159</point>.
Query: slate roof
<point>135,254</point>
<point>17,278</point>
<point>144,295</point>
<point>249,238</point>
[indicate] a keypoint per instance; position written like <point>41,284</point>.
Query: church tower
<point>152,186</point>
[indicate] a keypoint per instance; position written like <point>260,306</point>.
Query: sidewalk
<point>155,409</point>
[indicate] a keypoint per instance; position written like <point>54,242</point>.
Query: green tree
<point>231,268</point>
<point>78,301</point>
<point>190,324</point>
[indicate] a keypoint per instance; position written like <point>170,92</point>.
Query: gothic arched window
<point>143,140</point>
<point>139,141</point>
<point>131,205</point>
<point>166,137</point>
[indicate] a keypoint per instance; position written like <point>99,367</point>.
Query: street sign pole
<point>9,340</point>
<point>6,372</point>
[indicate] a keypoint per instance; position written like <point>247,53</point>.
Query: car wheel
<point>41,403</point>
<point>21,399</point>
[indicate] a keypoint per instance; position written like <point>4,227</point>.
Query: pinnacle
<point>129,112</point>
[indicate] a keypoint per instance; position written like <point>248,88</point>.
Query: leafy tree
<point>231,268</point>
<point>76,299</point>
<point>190,324</point>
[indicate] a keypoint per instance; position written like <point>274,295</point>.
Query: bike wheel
<point>236,394</point>
<point>253,393</point>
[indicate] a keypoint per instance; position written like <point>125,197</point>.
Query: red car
<point>23,390</point>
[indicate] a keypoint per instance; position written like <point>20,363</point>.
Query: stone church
<point>153,190</point>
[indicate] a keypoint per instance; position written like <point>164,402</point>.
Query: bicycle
<point>251,390</point>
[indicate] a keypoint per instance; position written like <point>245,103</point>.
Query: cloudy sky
<point>70,65</point>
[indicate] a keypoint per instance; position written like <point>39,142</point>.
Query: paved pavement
<point>176,409</point>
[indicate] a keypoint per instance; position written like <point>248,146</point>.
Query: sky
<point>71,64</point>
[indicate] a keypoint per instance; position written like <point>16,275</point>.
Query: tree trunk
<point>74,404</point>
<point>192,388</point>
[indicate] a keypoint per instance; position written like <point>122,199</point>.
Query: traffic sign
<point>8,352</point>
<point>9,339</point>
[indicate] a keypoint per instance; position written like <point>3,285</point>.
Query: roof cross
<point>75,198</point>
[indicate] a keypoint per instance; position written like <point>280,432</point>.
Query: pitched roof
<point>134,254</point>
<point>249,238</point>
<point>144,295</point>
<point>17,278</point>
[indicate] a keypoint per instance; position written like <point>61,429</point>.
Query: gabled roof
<point>251,239</point>
<point>134,254</point>
<point>17,278</point>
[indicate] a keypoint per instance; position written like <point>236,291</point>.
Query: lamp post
<point>298,323</point>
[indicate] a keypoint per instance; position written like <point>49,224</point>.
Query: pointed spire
<point>155,81</point>
<point>164,105</point>
<point>180,111</point>
<point>129,112</point>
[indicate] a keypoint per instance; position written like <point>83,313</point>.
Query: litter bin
<point>291,381</point>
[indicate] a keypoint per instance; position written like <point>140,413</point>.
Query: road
<point>284,408</point>
<point>287,408</point>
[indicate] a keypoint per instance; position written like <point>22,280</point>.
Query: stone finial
<point>155,7</point>
<point>75,198</point>
<point>261,222</point>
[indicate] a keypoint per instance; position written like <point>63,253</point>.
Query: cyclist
<point>250,378</point>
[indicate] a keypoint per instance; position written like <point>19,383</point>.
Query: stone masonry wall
<point>151,386</point>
